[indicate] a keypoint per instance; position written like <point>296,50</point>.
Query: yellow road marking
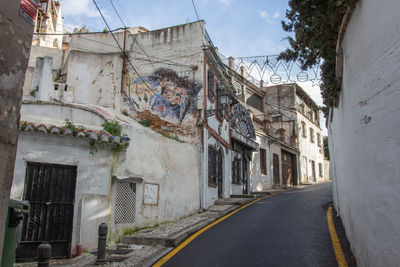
<point>202,230</point>
<point>335,240</point>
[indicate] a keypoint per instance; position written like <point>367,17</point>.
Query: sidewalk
<point>146,246</point>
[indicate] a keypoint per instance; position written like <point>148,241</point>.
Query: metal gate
<point>276,168</point>
<point>50,190</point>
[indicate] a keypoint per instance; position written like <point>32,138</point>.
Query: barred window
<point>125,202</point>
<point>236,174</point>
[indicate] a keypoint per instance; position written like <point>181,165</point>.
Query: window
<point>125,202</point>
<point>236,177</point>
<point>212,166</point>
<point>304,129</point>
<point>277,118</point>
<point>210,85</point>
<point>319,139</point>
<point>263,161</point>
<point>320,170</point>
<point>312,135</point>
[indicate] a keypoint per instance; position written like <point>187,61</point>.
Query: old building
<point>140,132</point>
<point>295,118</point>
<point>274,164</point>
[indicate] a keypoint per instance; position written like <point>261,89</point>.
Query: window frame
<point>312,138</point>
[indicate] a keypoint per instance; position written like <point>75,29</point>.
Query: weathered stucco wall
<point>93,178</point>
<point>173,166</point>
<point>95,78</point>
<point>15,43</point>
<point>364,134</point>
<point>259,181</point>
<point>170,63</point>
<point>310,151</point>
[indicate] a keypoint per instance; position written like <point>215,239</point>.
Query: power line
<point>122,51</point>
<point>117,13</point>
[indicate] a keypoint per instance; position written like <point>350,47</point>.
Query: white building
<point>364,139</point>
<point>296,116</point>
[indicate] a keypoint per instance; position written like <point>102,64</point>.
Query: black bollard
<point>44,252</point>
<point>101,245</point>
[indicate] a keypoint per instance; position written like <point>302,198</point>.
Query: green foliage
<point>74,128</point>
<point>112,127</point>
<point>326,147</point>
<point>145,123</point>
<point>315,25</point>
<point>173,137</point>
<point>34,91</point>
<point>125,113</point>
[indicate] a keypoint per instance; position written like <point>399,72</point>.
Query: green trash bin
<point>16,209</point>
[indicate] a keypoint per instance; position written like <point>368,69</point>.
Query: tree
<point>316,25</point>
<point>326,147</point>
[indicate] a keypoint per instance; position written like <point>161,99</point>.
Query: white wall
<point>260,182</point>
<point>309,150</point>
<point>67,150</point>
<point>364,134</point>
<point>174,166</point>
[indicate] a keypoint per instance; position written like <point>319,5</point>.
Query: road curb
<point>340,258</point>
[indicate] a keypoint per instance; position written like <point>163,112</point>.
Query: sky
<point>239,28</point>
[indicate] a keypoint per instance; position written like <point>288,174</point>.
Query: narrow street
<point>289,229</point>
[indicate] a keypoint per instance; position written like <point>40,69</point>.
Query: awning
<point>244,141</point>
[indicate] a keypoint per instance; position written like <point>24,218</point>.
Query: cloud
<point>263,14</point>
<point>81,7</point>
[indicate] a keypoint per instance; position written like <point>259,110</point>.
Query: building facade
<point>143,138</point>
<point>295,116</point>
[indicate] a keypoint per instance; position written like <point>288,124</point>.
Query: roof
<point>89,134</point>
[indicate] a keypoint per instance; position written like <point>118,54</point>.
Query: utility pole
<point>16,27</point>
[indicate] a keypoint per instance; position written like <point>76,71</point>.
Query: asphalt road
<point>288,229</point>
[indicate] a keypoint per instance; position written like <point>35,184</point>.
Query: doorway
<point>50,190</point>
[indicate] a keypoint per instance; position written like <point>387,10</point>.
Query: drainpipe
<point>79,246</point>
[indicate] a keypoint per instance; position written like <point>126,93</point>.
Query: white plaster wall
<point>260,182</point>
<point>95,78</point>
<point>53,113</point>
<point>174,166</point>
<point>38,51</point>
<point>309,150</point>
<point>365,140</point>
<point>67,150</point>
